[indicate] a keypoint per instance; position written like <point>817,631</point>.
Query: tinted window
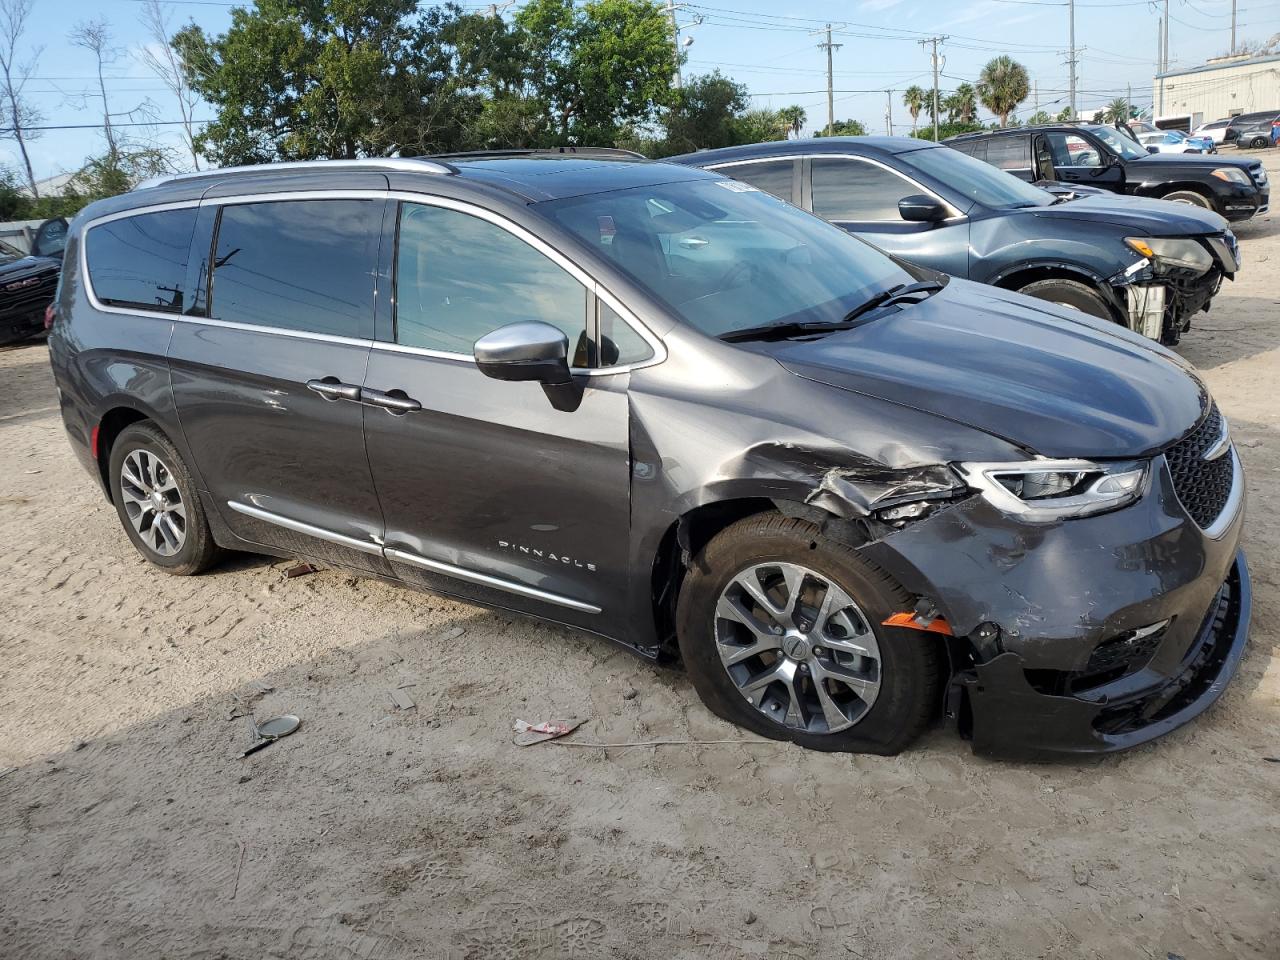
<point>1070,150</point>
<point>459,277</point>
<point>298,264</point>
<point>857,190</point>
<point>722,255</point>
<point>974,148</point>
<point>974,179</point>
<point>141,261</point>
<point>774,177</point>
<point>1009,153</point>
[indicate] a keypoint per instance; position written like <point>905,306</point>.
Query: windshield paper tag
<point>737,186</point>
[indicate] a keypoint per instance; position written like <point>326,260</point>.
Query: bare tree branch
<point>20,115</point>
<point>171,70</point>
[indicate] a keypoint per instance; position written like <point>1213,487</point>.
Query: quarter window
<point>775,176</point>
<point>298,265</point>
<point>459,277</point>
<point>141,261</point>
<point>857,190</point>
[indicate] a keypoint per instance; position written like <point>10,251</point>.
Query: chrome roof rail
<point>406,164</point>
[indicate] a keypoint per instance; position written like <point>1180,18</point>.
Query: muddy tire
<point>780,632</point>
<point>1070,294</point>
<point>157,502</point>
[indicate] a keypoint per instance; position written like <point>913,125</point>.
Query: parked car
<point>1254,131</point>
<point>1214,131</point>
<point>28,281</point>
<point>1172,141</point>
<point>667,408</point>
<point>1143,264</point>
<point>1100,156</point>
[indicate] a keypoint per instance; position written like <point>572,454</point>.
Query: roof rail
<point>407,164</point>
<point>601,152</point>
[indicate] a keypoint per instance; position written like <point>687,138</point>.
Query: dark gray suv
<point>662,406</point>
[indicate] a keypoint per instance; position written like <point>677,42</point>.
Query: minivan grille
<point>1202,486</point>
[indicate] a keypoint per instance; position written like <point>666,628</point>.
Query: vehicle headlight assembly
<point>1233,175</point>
<point>1041,491</point>
<point>1172,253</point>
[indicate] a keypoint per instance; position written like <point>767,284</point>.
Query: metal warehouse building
<point>1223,87</point>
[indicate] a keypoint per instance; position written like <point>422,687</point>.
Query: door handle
<point>331,388</point>
<point>396,402</point>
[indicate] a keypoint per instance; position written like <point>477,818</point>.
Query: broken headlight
<point>1044,490</point>
<point>1172,252</point>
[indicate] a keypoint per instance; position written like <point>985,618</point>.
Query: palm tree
<point>1002,85</point>
<point>914,99</point>
<point>1117,111</point>
<point>962,105</point>
<point>794,117</point>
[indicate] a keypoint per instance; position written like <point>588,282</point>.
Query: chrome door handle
<point>396,401</point>
<point>331,388</point>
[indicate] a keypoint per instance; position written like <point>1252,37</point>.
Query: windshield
<point>977,180</point>
<point>8,252</point>
<point>724,256</point>
<point>1119,143</point>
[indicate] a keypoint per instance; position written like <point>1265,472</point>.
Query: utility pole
<point>831,96</point>
<point>1164,54</point>
<point>1233,27</point>
<point>934,41</point>
<point>1071,16</point>
<point>888,112</point>
<point>670,11</point>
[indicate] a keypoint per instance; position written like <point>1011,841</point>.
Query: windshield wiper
<point>785,331</point>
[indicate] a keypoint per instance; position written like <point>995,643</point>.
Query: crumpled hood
<point>1056,382</point>
<point>1139,215</point>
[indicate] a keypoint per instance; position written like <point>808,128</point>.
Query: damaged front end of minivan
<point>1175,279</point>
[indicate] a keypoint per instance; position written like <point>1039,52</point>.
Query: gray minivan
<point>667,408</point>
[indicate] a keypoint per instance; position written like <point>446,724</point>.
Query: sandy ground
<point>131,828</point>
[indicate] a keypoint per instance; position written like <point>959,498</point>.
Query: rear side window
<point>459,277</point>
<point>974,148</point>
<point>298,264</point>
<point>857,190</point>
<point>141,261</point>
<point>775,176</point>
<point>1009,153</point>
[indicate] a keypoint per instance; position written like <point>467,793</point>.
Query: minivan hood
<point>1054,382</point>
<point>1140,215</point>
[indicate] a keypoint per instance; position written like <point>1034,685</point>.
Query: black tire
<point>910,660</point>
<point>1191,197</point>
<point>1069,293</point>
<point>1258,143</point>
<point>197,552</point>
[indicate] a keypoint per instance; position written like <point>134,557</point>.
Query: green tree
<point>914,98</point>
<point>1002,85</point>
<point>759,126</point>
<point>794,117</point>
<point>1064,115</point>
<point>947,130</point>
<point>1118,111</point>
<point>1039,116</point>
<point>845,128</point>
<point>962,104</point>
<point>599,67</point>
<point>705,115</point>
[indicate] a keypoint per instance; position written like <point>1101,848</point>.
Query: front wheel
<point>1189,197</point>
<point>1071,294</point>
<point>781,632</point>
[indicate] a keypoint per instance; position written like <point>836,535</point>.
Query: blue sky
<point>764,44</point>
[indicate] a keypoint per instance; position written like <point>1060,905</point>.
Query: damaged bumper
<point>1086,636</point>
<point>1159,303</point>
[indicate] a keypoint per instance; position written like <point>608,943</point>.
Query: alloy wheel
<point>797,647</point>
<point>153,502</point>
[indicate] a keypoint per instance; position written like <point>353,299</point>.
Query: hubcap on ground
<point>797,647</point>
<point>153,502</point>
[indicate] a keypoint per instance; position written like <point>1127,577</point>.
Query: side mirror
<point>919,208</point>
<point>530,350</point>
<point>1153,149</point>
<point>50,239</point>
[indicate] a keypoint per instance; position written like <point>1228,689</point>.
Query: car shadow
<point>26,384</point>
<point>1235,328</point>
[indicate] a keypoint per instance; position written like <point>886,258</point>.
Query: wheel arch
<point>1017,277</point>
<point>106,431</point>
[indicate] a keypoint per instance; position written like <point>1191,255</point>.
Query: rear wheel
<point>157,502</point>
<point>781,632</point>
<point>1257,143</point>
<point>1189,197</point>
<point>1071,294</point>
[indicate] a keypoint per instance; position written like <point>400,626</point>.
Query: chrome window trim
<point>486,580</point>
<point>955,213</point>
<point>573,269</point>
<point>297,526</point>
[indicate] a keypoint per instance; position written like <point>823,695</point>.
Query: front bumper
<point>16,327</point>
<point>1069,598</point>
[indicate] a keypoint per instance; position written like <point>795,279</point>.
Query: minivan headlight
<point>1046,490</point>
<point>1172,252</point>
